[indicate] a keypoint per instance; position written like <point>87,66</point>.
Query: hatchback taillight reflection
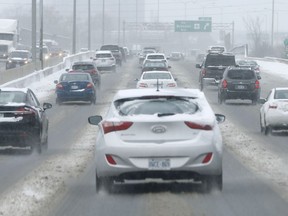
<point>115,126</point>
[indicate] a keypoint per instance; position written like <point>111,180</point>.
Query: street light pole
<point>119,22</point>
<point>89,24</point>
<point>103,22</point>
<point>41,35</point>
<point>74,28</point>
<point>272,27</point>
<point>158,11</point>
<point>34,55</point>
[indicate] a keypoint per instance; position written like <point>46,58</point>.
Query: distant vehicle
<point>75,87</point>
<point>23,121</point>
<point>156,79</point>
<point>18,58</point>
<point>274,111</point>
<point>127,52</point>
<point>156,56</point>
<point>84,50</point>
<point>46,53</point>
<point>170,134</point>
<point>239,83</point>
<point>212,68</point>
<point>87,67</point>
<point>247,63</point>
<point>216,49</point>
<point>176,56</point>
<point>155,65</point>
<point>105,61</point>
<point>115,49</point>
<point>200,58</point>
<point>143,54</point>
<point>9,36</point>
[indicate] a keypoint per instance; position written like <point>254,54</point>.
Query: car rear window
<point>155,57</point>
<point>281,94</point>
<point>83,67</point>
<point>220,60</point>
<point>241,74</point>
<point>74,77</point>
<point>103,55</point>
<point>156,105</point>
<point>156,76</point>
<point>12,97</point>
<point>110,47</point>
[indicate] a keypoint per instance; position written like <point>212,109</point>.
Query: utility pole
<point>74,29</point>
<point>103,22</point>
<point>89,24</point>
<point>41,35</point>
<point>272,27</point>
<point>119,21</point>
<point>34,57</point>
<point>124,33</point>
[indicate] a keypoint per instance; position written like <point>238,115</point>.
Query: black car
<point>23,121</point>
<point>116,51</point>
<point>88,67</point>
<point>213,67</point>
<point>239,83</point>
<point>18,58</point>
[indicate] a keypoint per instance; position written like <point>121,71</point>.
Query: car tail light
<point>112,59</point>
<point>93,71</point>
<point>143,85</point>
<point>207,158</point>
<point>203,71</point>
<point>224,84</point>
<point>89,85</point>
<point>59,86</point>
<point>272,106</point>
<point>197,126</point>
<point>115,126</point>
<point>257,84</point>
<point>110,160</point>
<point>171,85</point>
<point>25,111</point>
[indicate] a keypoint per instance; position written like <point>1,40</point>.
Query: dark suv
<point>239,83</point>
<point>213,67</point>
<point>88,67</point>
<point>116,51</point>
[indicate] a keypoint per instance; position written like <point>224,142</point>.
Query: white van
<point>6,47</point>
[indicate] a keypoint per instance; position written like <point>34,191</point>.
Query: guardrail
<point>25,75</point>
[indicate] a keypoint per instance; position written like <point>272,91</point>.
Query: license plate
<point>74,87</point>
<point>103,60</point>
<point>240,87</point>
<point>159,164</point>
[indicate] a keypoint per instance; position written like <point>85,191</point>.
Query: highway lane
<point>244,193</point>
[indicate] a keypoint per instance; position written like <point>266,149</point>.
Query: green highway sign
<point>286,42</point>
<point>193,26</point>
<point>205,18</point>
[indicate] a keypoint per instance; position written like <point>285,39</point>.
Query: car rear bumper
<point>277,119</point>
<point>251,95</point>
<point>77,96</point>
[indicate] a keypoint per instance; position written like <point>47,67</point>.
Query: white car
<point>105,61</point>
<point>154,79</point>
<point>274,111</point>
<point>169,134</point>
<point>156,56</point>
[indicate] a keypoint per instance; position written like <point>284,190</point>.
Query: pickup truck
<point>212,68</point>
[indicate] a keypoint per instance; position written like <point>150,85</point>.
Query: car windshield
<point>156,105</point>
<point>12,97</point>
<point>74,77</point>
<point>241,74</point>
<point>83,67</point>
<point>281,94</point>
<point>156,76</point>
<point>19,55</point>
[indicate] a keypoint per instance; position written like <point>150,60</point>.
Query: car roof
<point>82,62</point>
<point>281,88</point>
<point>157,71</point>
<point>25,90</point>
<point>179,92</point>
<point>103,52</point>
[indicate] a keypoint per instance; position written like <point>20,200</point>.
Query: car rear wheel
<point>214,182</point>
<point>103,184</point>
<point>261,127</point>
<point>267,130</point>
<point>220,98</point>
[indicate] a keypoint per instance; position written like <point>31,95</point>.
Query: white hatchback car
<point>105,61</point>
<point>274,111</point>
<point>169,134</point>
<point>154,79</point>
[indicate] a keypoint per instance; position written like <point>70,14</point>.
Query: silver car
<point>169,134</point>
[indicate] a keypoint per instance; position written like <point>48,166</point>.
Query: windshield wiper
<point>165,114</point>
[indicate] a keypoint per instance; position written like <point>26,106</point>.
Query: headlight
<point>46,57</point>
<point>26,62</point>
<point>10,61</point>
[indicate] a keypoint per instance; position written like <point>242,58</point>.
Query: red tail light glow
<point>115,126</point>
<point>272,106</point>
<point>207,158</point>
<point>193,125</point>
<point>224,84</point>
<point>25,111</point>
<point>257,84</point>
<point>110,160</point>
<point>171,85</point>
<point>143,85</point>
<point>93,71</point>
<point>203,72</point>
<point>59,86</point>
<point>89,85</point>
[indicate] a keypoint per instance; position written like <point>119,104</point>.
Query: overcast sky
<point>221,11</point>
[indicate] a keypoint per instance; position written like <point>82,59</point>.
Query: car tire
<point>262,129</point>
<point>103,184</point>
<point>201,85</point>
<point>267,130</point>
<point>220,99</point>
<point>210,183</point>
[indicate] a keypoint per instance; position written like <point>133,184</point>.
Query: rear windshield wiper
<point>165,114</point>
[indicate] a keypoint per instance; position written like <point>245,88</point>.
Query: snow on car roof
<point>103,51</point>
<point>25,90</point>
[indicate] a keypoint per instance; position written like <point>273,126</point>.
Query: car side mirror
<point>47,106</point>
<point>220,118</point>
<point>198,66</point>
<point>137,80</point>
<point>259,77</point>
<point>56,81</point>
<point>95,120</point>
<point>169,67</point>
<point>262,100</point>
<point>67,69</point>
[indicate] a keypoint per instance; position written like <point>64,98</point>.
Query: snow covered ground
<point>33,195</point>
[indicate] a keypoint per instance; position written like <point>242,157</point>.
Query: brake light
<point>272,106</point>
<point>257,84</point>
<point>59,86</point>
<point>93,71</point>
<point>171,85</point>
<point>203,72</point>
<point>224,84</point>
<point>115,126</point>
<point>112,59</point>
<point>25,111</point>
<point>197,126</point>
<point>89,85</point>
<point>207,158</point>
<point>143,85</point>
<point>110,159</point>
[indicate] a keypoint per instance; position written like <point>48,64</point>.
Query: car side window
<point>269,95</point>
<point>32,99</point>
